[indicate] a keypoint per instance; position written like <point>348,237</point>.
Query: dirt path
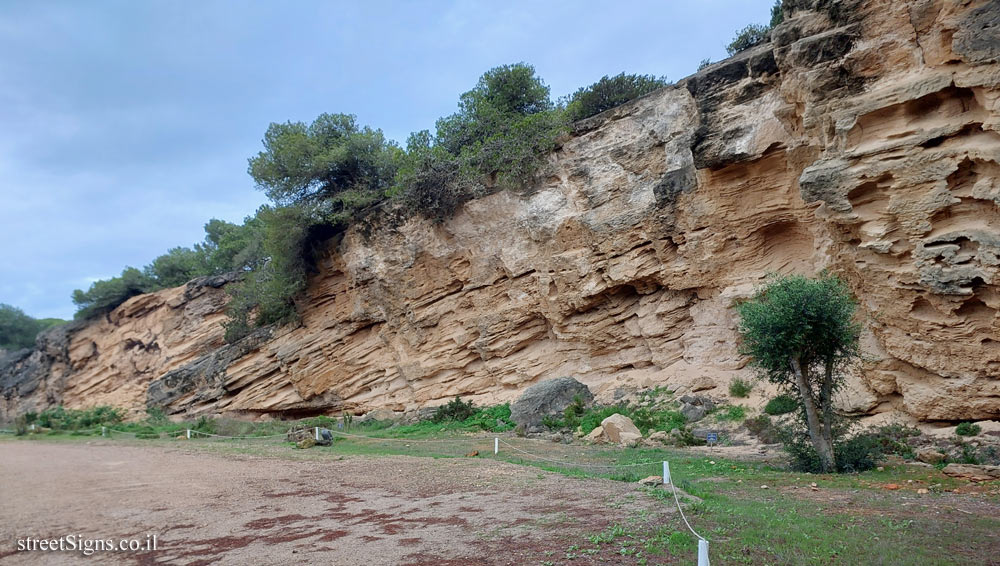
<point>241,509</point>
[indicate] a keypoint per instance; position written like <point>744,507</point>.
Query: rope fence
<point>456,446</point>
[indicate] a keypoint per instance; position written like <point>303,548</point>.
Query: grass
<point>846,519</point>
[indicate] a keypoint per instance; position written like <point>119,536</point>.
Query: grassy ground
<point>879,517</point>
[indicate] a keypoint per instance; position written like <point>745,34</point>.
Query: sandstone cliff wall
<point>865,139</point>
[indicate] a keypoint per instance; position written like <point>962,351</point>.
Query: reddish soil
<point>208,508</point>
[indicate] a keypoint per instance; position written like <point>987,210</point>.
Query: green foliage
<point>740,387</point>
<point>60,418</point>
<point>750,36</point>
<point>178,266</point>
<point>454,410</point>
<point>18,330</point>
<point>104,296</point>
<point>610,92</point>
<point>492,419</point>
<point>291,240</point>
<point>334,166</point>
<point>802,319</point>
<point>781,405</point>
<point>777,14</point>
<point>704,64</point>
<point>968,429</point>
<point>893,439</point>
<point>857,453</point>
<point>504,128</point>
<point>733,413</point>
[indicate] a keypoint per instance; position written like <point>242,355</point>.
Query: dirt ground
<point>241,509</point>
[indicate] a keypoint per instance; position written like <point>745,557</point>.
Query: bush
<point>104,296</point>
<point>733,413</point>
<point>18,330</point>
<point>762,427</point>
<point>856,453</point>
<point>492,419</point>
<point>968,429</point>
<point>781,405</point>
<point>894,439</point>
<point>740,387</point>
<point>454,410</point>
<point>60,418</point>
<point>610,92</point>
<point>748,37</point>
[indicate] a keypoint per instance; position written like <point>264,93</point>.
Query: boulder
<point>693,413</point>
<point>659,436</point>
<point>306,443</point>
<point>695,407</point>
<point>547,398</point>
<point>620,429</point>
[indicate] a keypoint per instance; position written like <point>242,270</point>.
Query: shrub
<point>733,413</point>
<point>60,418</point>
<point>454,410</point>
<point>704,64</point>
<point>894,439</point>
<point>762,427</point>
<point>781,405</point>
<point>968,429</point>
<point>740,387</point>
<point>106,295</point>
<point>492,419</point>
<point>750,36</point>
<point>610,92</point>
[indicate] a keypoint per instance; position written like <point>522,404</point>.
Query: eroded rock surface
<point>863,139</point>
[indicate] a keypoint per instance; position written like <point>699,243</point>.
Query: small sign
<point>712,438</point>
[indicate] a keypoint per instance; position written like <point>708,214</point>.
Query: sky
<point>125,126</point>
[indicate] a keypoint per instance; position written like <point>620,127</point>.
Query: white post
<point>189,434</point>
<point>317,434</point>
<point>496,446</point>
<point>666,473</point>
<point>102,431</point>
<point>702,552</point>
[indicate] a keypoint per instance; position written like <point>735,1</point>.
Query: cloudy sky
<point>125,126</point>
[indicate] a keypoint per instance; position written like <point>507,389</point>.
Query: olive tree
<point>801,334</point>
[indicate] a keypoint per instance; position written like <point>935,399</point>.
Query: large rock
<point>620,429</point>
<point>972,473</point>
<point>550,397</point>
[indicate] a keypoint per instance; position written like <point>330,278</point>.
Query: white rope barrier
<point>391,439</point>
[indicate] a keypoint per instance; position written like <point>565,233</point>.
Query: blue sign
<point>712,437</point>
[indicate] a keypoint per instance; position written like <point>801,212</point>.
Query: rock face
<point>548,398</point>
<point>864,139</point>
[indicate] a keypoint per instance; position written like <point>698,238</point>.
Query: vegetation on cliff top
<point>18,330</point>
<point>324,176</point>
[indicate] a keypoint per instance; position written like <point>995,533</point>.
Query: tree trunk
<point>824,448</point>
<point>826,402</point>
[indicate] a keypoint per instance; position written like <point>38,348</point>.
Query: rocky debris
<point>308,442</point>
<point>658,436</point>
<point>930,456</point>
<point>652,481</point>
<point>595,436</point>
<point>695,407</point>
<point>547,398</point>
<point>971,472</point>
<point>619,429</point>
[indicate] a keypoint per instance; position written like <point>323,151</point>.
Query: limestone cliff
<point>864,138</point>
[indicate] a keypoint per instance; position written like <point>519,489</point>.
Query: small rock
<point>922,491</point>
<point>659,435</point>
<point>652,481</point>
<point>764,487</point>
<point>308,442</point>
<point>880,468</point>
<point>891,486</point>
<point>472,454</point>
